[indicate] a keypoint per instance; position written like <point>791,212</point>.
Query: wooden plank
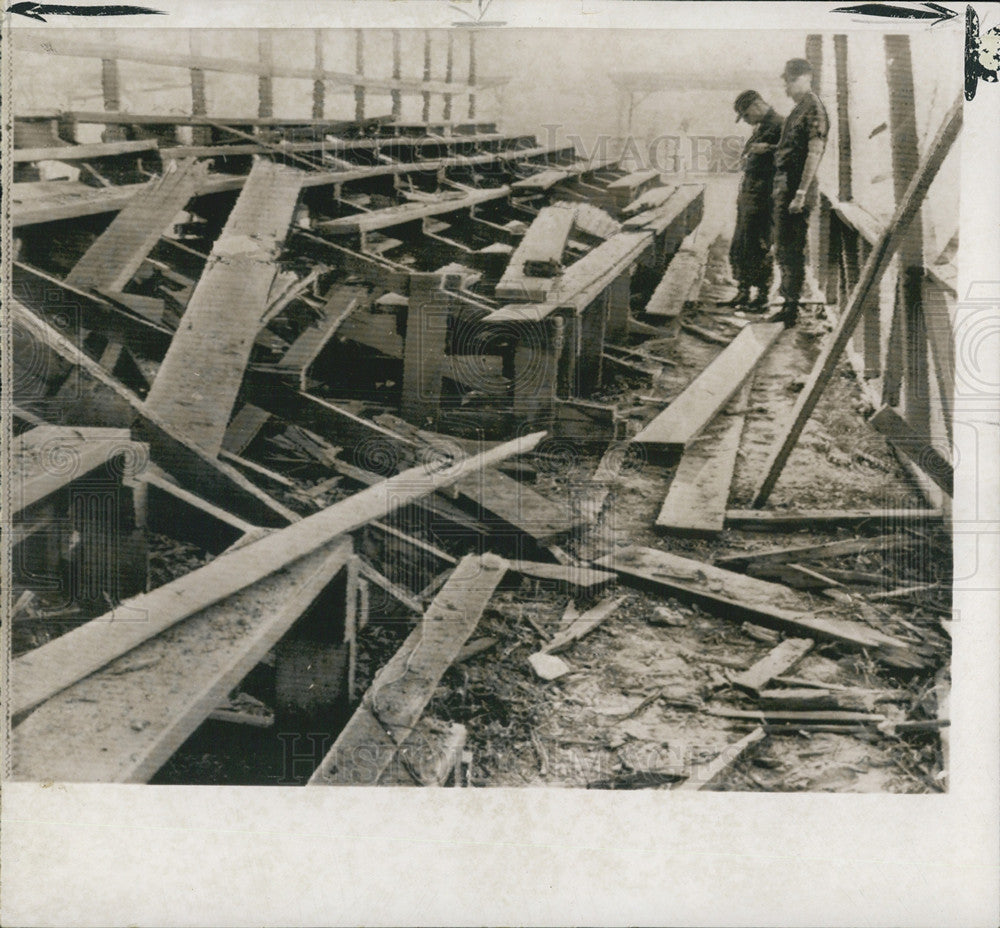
<point>543,180</point>
<point>433,755</point>
<point>818,552</point>
<point>48,458</point>
<point>401,596</point>
<point>568,577</point>
<point>871,274</point>
<point>377,331</point>
<point>341,300</point>
<point>424,358</point>
<point>45,671</point>
<point>412,542</point>
<point>671,213</point>
<point>776,662</point>
<point>538,258</point>
<point>82,152</point>
<point>583,281</point>
<point>699,491</point>
<point>220,323</point>
<point>702,775</point>
<point>709,392</point>
<point>681,277</point>
<point>408,212</point>
<point>67,200</point>
<point>123,723</point>
<point>801,518</point>
<point>404,686</point>
<point>915,446</point>
<point>585,623</point>
<point>650,199</point>
<point>788,717</point>
<point>736,596</point>
<point>244,427</point>
<point>103,401</point>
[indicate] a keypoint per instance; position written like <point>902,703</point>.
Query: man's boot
<point>741,299</point>
<point>788,314</point>
<point>759,303</point>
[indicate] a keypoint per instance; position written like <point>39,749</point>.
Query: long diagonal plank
<point>197,384</point>
<point>916,447</point>
<point>121,724</point>
<point>63,661</point>
<point>533,267</point>
<point>875,267</point>
<point>699,491</point>
<point>709,392</point>
<point>115,256</point>
<point>100,400</point>
<point>737,596</point>
<point>390,709</point>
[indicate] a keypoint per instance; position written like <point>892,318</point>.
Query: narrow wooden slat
<point>709,392</point>
<point>538,258</point>
<point>197,383</point>
<point>875,267</point>
<point>801,518</point>
<point>83,152</point>
<point>776,662</point>
<point>121,724</point>
<point>45,671</point>
<point>659,219</point>
<point>699,491</point>
<point>737,596</point>
<point>701,775</point>
<point>369,743</point>
<point>566,576</point>
<point>818,551</point>
<point>244,427</point>
<point>67,200</point>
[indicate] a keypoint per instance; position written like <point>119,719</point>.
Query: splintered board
<point>699,491</point>
<point>121,724</point>
<point>117,253</point>
<point>538,259</point>
<point>709,392</point>
<point>198,381</point>
<point>682,276</point>
<point>371,740</point>
<point>737,596</point>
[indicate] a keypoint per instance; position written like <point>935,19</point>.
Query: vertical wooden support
<point>449,74</point>
<point>472,75</point>
<point>814,55</point>
<point>265,82</point>
<point>590,362</point>
<point>397,73</point>
<point>424,350</point>
<point>536,371</point>
<point>618,306</point>
<point>352,606</point>
<point>200,135</point>
<point>908,337</point>
<point>566,383</point>
<point>425,113</point>
<point>359,69</point>
<point>319,87</point>
<point>845,190</point>
<point>111,91</point>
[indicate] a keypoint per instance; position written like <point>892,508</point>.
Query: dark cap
<point>743,101</point>
<point>795,67</point>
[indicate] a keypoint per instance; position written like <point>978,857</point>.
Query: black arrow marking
<point>932,11</point>
<point>40,10</point>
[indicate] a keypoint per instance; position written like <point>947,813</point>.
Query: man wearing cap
<point>796,160</point>
<point>750,252</point>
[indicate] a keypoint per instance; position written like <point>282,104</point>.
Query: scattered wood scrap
<point>701,775</point>
<point>545,663</point>
<point>783,658</point>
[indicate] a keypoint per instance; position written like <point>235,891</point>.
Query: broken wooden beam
<point>538,259</point>
<point>60,663</point>
<point>699,491</point>
<point>370,742</point>
<point>782,658</point>
<point>122,723</point>
<point>709,392</point>
<point>918,448</point>
<point>197,383</point>
<point>801,518</point>
<point>737,596</point>
<point>101,401</point>
<point>111,261</point>
<point>876,265</point>
<point>567,577</point>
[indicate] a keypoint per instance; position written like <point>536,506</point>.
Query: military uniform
<point>807,121</point>
<point>750,252</point>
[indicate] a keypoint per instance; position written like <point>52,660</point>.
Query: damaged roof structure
<point>432,439</point>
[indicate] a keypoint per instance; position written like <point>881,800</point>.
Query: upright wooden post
<point>908,337</point>
<point>818,237</point>
<point>265,89</point>
<point>844,178</point>
<point>397,96</point>
<point>359,69</point>
<point>472,75</point>
<point>618,308</point>
<point>814,55</point>
<point>426,111</point>
<point>449,74</point>
<point>319,87</point>
<point>536,368</point>
<point>200,135</point>
<point>111,91</point>
<point>424,350</point>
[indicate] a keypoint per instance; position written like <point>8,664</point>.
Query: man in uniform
<point>750,253</point>
<point>796,160</point>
